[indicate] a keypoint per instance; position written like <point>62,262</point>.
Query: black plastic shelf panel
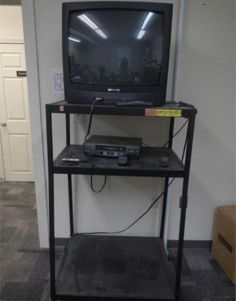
<point>115,267</point>
<point>148,165</point>
<point>102,109</point>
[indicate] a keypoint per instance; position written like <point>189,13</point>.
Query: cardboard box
<point>224,242</point>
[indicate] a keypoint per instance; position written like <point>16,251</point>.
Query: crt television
<point>116,51</point>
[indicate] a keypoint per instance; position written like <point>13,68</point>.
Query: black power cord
<point>137,219</point>
<point>88,132</point>
<point>86,137</point>
<point>177,132</point>
<point>91,116</point>
<point>148,209</point>
<point>174,135</point>
<point>184,149</point>
<point>100,189</point>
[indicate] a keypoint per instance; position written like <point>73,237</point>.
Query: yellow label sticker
<point>168,113</point>
<point>163,112</point>
<point>150,112</point>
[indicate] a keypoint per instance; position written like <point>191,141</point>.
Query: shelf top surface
<point>170,109</point>
<point>147,165</point>
<point>116,267</point>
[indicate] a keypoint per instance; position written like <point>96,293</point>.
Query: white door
<point>14,114</point>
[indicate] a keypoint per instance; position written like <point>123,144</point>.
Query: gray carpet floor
<point>24,267</point>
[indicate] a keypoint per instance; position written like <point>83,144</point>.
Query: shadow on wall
<point>151,130</point>
<point>213,162</point>
<point>120,203</point>
<point>124,198</point>
<point>211,184</point>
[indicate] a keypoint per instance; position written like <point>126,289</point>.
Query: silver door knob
<point>3,124</point>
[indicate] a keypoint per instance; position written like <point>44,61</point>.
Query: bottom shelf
<point>115,267</point>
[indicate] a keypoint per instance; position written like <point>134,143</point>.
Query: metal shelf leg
<point>184,203</point>
<point>52,238</point>
<point>164,202</point>
<point>51,206</point>
<point>69,179</point>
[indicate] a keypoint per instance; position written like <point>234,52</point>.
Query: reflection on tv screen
<point>115,47</point>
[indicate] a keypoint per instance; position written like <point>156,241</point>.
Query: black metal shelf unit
<point>98,267</point>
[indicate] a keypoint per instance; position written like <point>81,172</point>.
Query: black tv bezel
<point>82,93</point>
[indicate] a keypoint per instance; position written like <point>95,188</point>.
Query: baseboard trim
<point>61,242</point>
<point>190,244</point>
<point>171,244</point>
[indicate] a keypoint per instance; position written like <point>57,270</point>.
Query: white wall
<point>207,80</point>
<point>122,200</point>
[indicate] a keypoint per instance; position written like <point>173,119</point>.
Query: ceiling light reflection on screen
<point>142,30</point>
<point>147,19</point>
<point>141,34</point>
<point>92,25</point>
<point>74,39</point>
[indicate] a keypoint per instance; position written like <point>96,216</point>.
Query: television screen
<point>115,47</point>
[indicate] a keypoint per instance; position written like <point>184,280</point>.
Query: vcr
<point>112,146</point>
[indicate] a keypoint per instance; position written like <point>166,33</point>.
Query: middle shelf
<point>147,165</point>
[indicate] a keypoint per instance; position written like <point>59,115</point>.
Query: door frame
<point>39,164</point>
